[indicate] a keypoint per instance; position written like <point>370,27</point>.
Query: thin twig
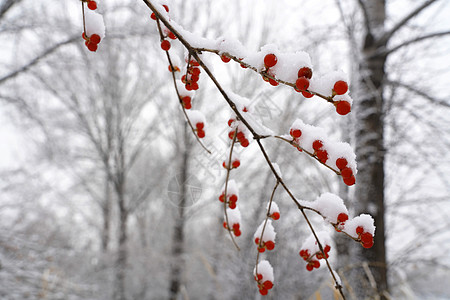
<point>225,196</point>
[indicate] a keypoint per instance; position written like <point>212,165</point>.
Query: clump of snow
<point>324,84</point>
<point>273,208</point>
<point>334,149</point>
<point>94,24</point>
<point>364,220</point>
<point>232,188</point>
<point>196,117</point>
<point>234,216</point>
<point>269,232</point>
<point>330,206</point>
<point>266,270</point>
<point>311,244</point>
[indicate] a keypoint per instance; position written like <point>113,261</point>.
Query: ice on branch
<point>94,24</point>
<point>330,206</point>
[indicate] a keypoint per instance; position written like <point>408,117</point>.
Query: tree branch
<point>387,36</point>
<point>420,93</point>
<point>35,60</point>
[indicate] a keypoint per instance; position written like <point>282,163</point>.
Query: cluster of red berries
<point>235,163</point>
<point>231,200</point>
<point>199,128</point>
<point>240,135</point>
<point>365,238</point>
<point>235,228</point>
<point>192,77</point>
<point>313,260</point>
<point>186,100</point>
<point>302,82</point>
<point>165,44</point>
<point>346,172</point>
<point>262,246</point>
<point>92,5</point>
<point>92,41</point>
<point>319,151</point>
<point>263,286</point>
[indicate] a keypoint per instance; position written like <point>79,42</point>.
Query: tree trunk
<point>370,152</point>
<point>106,211</point>
<point>122,255</point>
<point>177,262</point>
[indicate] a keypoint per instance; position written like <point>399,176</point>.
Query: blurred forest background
<point>94,144</point>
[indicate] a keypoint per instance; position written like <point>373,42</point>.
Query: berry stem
<point>226,187</point>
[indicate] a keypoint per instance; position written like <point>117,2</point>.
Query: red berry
<point>222,198</point>
<point>273,82</point>
<point>196,72</point>
<point>83,35</point>
<point>317,145</point>
<point>316,264</point>
<point>295,133</point>
<point>270,60</point>
<point>236,164</point>
<point>307,94</point>
<point>166,8</point>
<point>92,5</point>
<point>340,87</point>
<point>368,245</point>
<point>322,155</point>
<point>342,217</point>
<point>91,46</point>
<point>165,45</point>
<point>224,165</point>
<point>309,267</point>
<point>261,249</point>
<point>200,125</point>
<point>232,205</point>
<point>225,58</point>
<point>366,237</point>
<point>95,38</point>
<point>153,16</point>
<point>346,172</point>
<point>240,135</point>
<point>302,84</point>
<point>327,249</point>
<point>243,67</point>
<point>275,215</point>
<point>343,107</point>
<point>194,86</point>
<point>305,72</point>
<point>201,134</point>
<point>225,225</point>
<point>237,232</point>
<point>359,230</point>
<point>236,226</point>
<point>268,284</point>
<point>187,105</point>
<point>195,78</point>
<point>245,143</point>
<point>257,243</point>
<point>233,198</point>
<point>350,180</point>
<point>341,163</point>
<point>270,245</point>
<point>231,135</point>
<point>263,291</point>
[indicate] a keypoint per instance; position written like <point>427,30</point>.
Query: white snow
<point>330,206</point>
<point>311,245</point>
<point>273,207</point>
<point>364,220</point>
<point>266,270</point>
<point>234,216</point>
<point>94,23</point>
<point>196,116</point>
<point>269,232</point>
